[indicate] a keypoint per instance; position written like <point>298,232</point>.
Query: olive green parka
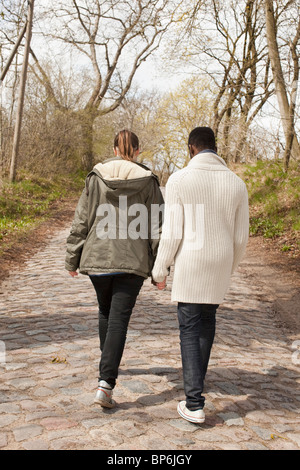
<point>117,222</point>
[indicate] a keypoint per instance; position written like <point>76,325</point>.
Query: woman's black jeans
<point>197,324</point>
<point>116,296</point>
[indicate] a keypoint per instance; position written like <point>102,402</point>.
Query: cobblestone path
<point>49,365</point>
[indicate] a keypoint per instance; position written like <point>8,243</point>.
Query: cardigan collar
<point>208,159</point>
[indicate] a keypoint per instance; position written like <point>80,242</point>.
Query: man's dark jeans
<point>197,324</point>
<point>116,296</point>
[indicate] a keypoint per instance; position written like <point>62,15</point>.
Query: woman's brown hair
<point>127,143</point>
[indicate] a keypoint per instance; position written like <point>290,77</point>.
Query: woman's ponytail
<point>127,143</point>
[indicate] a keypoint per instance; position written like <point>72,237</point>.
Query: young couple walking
<point>204,234</point>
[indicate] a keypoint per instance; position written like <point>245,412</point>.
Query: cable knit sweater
<point>205,230</point>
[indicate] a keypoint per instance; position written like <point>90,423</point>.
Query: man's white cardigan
<point>205,230</point>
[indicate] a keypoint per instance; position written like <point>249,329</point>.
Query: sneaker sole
<point>190,419</point>
<point>105,404</point>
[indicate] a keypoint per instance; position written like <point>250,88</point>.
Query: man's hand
<point>160,285</point>
<point>73,273</point>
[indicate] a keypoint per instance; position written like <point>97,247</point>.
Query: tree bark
<point>286,108</point>
<point>17,135</point>
<point>87,119</point>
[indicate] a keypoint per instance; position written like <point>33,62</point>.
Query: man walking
<point>205,234</point>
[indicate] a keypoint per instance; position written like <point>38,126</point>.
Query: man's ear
<point>192,150</point>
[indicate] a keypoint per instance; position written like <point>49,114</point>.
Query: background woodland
<point>231,65</point>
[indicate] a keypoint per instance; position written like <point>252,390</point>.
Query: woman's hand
<point>73,273</point>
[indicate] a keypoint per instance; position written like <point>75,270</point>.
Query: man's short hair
<point>202,138</point>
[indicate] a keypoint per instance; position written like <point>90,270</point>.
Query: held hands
<point>73,273</point>
<point>160,285</point>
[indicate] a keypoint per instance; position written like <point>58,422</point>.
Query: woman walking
<point>116,250</point>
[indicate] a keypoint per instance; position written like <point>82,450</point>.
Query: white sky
<point>151,76</point>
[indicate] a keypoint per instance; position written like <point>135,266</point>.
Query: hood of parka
<point>121,177</point>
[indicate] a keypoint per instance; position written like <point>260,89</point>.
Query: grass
<point>274,199</point>
<point>29,201</point>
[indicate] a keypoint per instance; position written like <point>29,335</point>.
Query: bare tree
<point>286,104</point>
<point>224,40</point>
<point>114,37</point>
<point>12,31</point>
<point>17,134</point>
<point>244,82</point>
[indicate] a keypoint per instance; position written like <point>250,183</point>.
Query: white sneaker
<point>104,395</point>
<point>197,416</point>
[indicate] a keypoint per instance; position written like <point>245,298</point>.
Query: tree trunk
<point>13,53</point>
<point>226,135</point>
<point>17,135</point>
<point>288,148</point>
<point>1,128</point>
<point>1,146</point>
<point>242,133</point>
<point>240,146</point>
<point>280,87</point>
<point>87,120</point>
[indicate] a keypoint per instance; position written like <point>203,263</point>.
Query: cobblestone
<point>48,381</point>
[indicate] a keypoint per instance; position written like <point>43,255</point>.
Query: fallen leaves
<point>274,436</point>
<point>58,360</point>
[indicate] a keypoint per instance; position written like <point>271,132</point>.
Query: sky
<point>152,76</point>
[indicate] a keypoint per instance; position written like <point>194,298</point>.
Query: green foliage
<point>274,198</point>
<point>28,201</point>
<point>286,248</point>
<point>266,227</point>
